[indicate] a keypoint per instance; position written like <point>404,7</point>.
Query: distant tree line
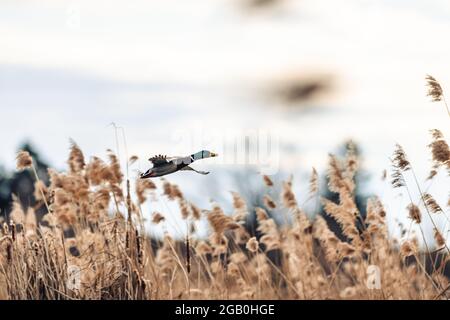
<point>21,184</point>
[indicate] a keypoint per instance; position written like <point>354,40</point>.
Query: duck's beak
<point>213,155</point>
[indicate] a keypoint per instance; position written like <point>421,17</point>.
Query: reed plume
<point>435,91</point>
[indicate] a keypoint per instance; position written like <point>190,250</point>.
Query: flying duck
<point>162,165</point>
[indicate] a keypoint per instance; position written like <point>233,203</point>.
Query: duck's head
<point>204,154</point>
<point>210,154</point>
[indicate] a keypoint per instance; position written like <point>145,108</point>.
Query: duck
<point>163,165</point>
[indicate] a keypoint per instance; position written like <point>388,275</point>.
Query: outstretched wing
<point>158,160</point>
<point>188,168</point>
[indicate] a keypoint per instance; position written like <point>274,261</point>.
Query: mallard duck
<point>162,165</point>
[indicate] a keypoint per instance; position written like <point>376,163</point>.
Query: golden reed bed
<point>91,243</point>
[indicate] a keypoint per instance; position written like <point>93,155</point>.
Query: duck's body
<point>163,166</point>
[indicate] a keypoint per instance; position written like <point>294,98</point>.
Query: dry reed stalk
<point>25,161</point>
<point>435,91</point>
<point>269,202</point>
<point>314,182</point>
<point>267,181</point>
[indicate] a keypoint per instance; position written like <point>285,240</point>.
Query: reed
<point>94,225</point>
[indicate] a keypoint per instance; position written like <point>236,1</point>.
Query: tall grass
<point>96,224</point>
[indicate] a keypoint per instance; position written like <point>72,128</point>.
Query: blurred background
<point>177,75</point>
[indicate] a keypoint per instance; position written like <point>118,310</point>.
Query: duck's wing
<point>159,160</point>
<point>188,168</point>
<point>172,158</point>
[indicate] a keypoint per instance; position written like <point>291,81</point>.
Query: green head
<point>204,154</point>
